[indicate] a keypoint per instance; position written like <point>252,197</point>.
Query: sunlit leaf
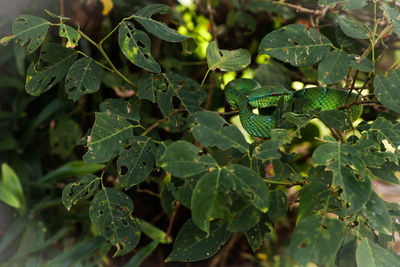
<point>71,34</point>
<point>11,191</point>
<point>226,60</point>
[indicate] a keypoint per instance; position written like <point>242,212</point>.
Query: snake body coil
<point>246,94</point>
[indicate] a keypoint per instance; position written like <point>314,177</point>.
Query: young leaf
<point>369,254</point>
<point>353,28</point>
<point>162,31</point>
<point>378,215</point>
<point>316,239</point>
<point>386,90</point>
<point>295,44</point>
<point>11,190</point>
<point>82,78</point>
<point>111,213</point>
<point>212,130</point>
<point>84,188</point>
<point>61,59</point>
<point>227,60</point>
<point>135,44</point>
<point>109,134</point>
<point>30,30</point>
<point>192,244</point>
<point>71,34</point>
<point>333,67</point>
<point>136,163</point>
<point>183,159</point>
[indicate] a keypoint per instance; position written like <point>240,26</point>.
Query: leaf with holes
<point>295,44</point>
<point>111,213</point>
<point>41,80</point>
<point>136,163</point>
<point>109,134</point>
<point>183,159</point>
<point>227,60</point>
<point>255,235</point>
<point>386,90</point>
<point>316,239</point>
<point>333,67</point>
<point>337,119</point>
<point>188,91</point>
<point>192,244</point>
<point>269,149</point>
<point>84,188</point>
<point>387,131</point>
<point>369,254</point>
<point>162,31</point>
<point>149,83</point>
<point>71,34</point>
<point>349,172</point>
<point>212,130</point>
<point>353,28</point>
<point>129,110</point>
<point>135,44</point>
<point>312,195</point>
<point>30,30</point>
<point>83,78</point>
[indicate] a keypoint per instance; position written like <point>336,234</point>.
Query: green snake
<point>245,95</point>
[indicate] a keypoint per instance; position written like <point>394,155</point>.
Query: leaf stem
<point>283,183</point>
<point>205,77</point>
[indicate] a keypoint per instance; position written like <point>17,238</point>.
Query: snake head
<point>238,89</point>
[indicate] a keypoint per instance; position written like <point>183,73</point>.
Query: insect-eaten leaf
<point>71,34</point>
<point>111,213</point>
<point>84,188</point>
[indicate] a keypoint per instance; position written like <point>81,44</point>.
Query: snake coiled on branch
<point>246,95</point>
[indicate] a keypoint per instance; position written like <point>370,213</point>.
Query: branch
<point>301,9</point>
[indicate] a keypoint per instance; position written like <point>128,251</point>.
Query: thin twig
<point>212,22</point>
<point>157,123</point>
<point>286,184</point>
<point>171,222</point>
<point>299,8</point>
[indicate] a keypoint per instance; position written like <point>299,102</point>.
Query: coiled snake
<point>246,94</point>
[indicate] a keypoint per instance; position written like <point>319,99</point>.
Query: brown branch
<point>299,8</point>
<point>171,222</point>
<point>222,256</point>
<point>212,22</point>
<point>157,123</point>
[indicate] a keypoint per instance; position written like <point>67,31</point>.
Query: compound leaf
<point>84,188</point>
<point>111,213</point>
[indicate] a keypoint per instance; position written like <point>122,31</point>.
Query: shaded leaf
<point>225,60</point>
<point>277,205</point>
<point>387,172</point>
<point>64,137</point>
<point>296,45</point>
<point>336,119</point>
<point>361,64</point>
<point>268,150</point>
<point>387,131</point>
<point>273,73</point>
<point>84,77</point>
<point>84,188</point>
<point>311,197</point>
<point>129,110</point>
<point>353,28</point>
<point>13,231</point>
<point>333,67</point>
<point>212,130</point>
<point>162,31</point>
<point>183,159</point>
<point>378,215</point>
<point>386,90</point>
<point>192,244</point>
<point>109,134</point>
<point>136,163</point>
<point>111,213</point>
<point>369,254</point>
<point>256,234</point>
<point>155,233</point>
<point>30,30</point>
<point>135,44</point>
<point>142,254</point>
<point>148,84</point>
<point>71,34</point>
<point>73,168</point>
<point>316,239</point>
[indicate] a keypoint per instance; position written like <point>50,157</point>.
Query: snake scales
<point>246,94</point>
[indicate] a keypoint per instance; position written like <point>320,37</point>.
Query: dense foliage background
<point>118,146</point>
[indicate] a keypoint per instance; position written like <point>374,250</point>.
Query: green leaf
<point>387,172</point>
<point>13,231</point>
<point>30,30</point>
<point>71,34</point>
<point>187,90</point>
<point>129,110</point>
<point>369,254</point>
<point>84,77</point>
<point>192,244</point>
<point>64,137</point>
<point>273,73</point>
<point>378,215</point>
<point>189,46</point>
<point>109,134</point>
<point>135,44</point>
<point>386,90</point>
<point>311,196</point>
<point>277,207</point>
<point>111,213</point>
<point>136,163</point>
<point>316,239</point>
<point>212,130</point>
<point>268,150</point>
<point>142,254</point>
<point>256,234</point>
<point>162,31</point>
<point>361,64</point>
<point>333,67</point>
<point>11,190</point>
<point>227,60</point>
<point>296,45</point>
<point>353,28</point>
<point>39,81</point>
<point>336,119</point>
<point>154,233</point>
<point>387,131</point>
<point>183,159</point>
<point>148,84</point>
<point>355,182</point>
<point>84,188</point>
<point>73,168</point>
